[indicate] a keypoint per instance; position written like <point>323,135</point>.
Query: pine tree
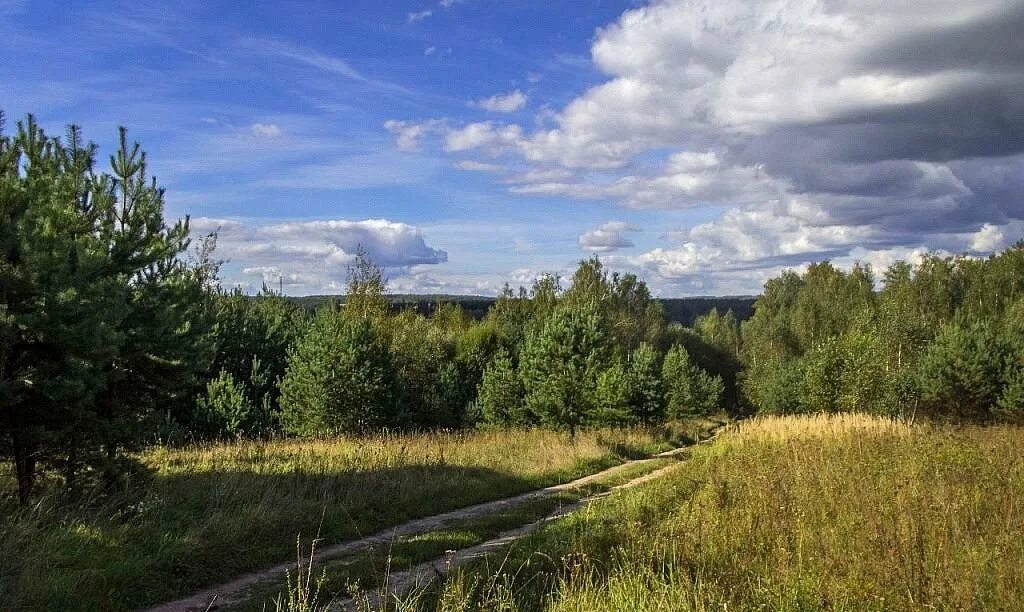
<point>500,394</point>
<point>103,321</point>
<point>339,378</point>
<point>645,393</point>
<point>560,365</point>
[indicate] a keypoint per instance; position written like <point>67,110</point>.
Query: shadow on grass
<point>190,531</point>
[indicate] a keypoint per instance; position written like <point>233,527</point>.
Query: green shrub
<point>225,408</point>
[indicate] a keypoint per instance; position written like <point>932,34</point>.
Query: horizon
<point>705,147</point>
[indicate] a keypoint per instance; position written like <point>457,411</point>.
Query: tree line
<point>115,333</point>
<point>943,338</point>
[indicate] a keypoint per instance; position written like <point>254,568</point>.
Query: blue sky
<point>467,143</point>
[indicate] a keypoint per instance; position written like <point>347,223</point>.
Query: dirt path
<point>403,582</point>
<point>237,590</point>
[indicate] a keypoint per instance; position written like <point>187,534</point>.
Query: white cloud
<point>502,103</point>
<point>419,15</point>
<point>387,242</point>
<point>482,135</point>
<point>475,166</point>
<point>314,254</point>
<point>811,129</point>
<point>265,130</point>
<point>606,238</point>
<point>409,134</point>
<point>205,225</point>
<point>272,276</point>
<point>430,51</point>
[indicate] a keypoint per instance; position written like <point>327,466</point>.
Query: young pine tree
<point>688,388</point>
<point>103,322</point>
<point>339,378</point>
<point>560,364</point>
<point>646,397</point>
<point>500,394</point>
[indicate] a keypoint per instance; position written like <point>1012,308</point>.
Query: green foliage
<point>720,331</point>
<point>560,364</point>
<point>823,370</point>
<point>418,354</point>
<point>688,388</point>
<point>960,372</point>
<point>500,395</point>
<point>773,385</point>
<point>253,338</point>
<point>646,399</point>
<point>224,410</point>
<point>938,336</point>
<point>367,286</point>
<point>103,322</point>
<point>612,401</point>
<point>339,378</point>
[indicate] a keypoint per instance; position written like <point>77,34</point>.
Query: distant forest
<point>684,311</point>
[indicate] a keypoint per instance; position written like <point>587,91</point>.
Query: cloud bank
<point>813,129</point>
<point>312,256</point>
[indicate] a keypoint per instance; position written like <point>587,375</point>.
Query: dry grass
<point>208,513</point>
<point>844,512</point>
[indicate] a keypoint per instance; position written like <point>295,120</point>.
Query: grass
<point>365,570</point>
<point>205,514</point>
<point>845,512</point>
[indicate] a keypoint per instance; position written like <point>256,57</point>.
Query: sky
<point>703,145</point>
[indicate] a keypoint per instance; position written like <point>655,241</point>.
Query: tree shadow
<point>183,532</point>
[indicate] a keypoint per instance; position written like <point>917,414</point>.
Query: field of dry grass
<point>204,514</point>
<point>843,512</point>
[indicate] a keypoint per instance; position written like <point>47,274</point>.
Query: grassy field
<point>205,514</point>
<point>799,513</point>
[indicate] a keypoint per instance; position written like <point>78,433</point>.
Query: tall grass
<point>205,514</point>
<point>844,512</point>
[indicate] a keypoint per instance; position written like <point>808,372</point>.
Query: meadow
<point>199,515</point>
<point>844,512</point>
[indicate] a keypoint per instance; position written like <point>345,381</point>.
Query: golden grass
<point>207,513</point>
<point>842,512</point>
<point>525,453</point>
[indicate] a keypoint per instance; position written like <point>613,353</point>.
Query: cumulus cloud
<point>388,243</point>
<point>606,238</point>
<point>811,129</point>
<point>314,255</point>
<point>502,103</point>
<point>482,135</point>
